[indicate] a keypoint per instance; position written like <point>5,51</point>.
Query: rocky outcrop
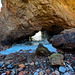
<point>20,19</point>
<point>65,40</point>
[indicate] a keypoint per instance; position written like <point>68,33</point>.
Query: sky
<point>0,4</point>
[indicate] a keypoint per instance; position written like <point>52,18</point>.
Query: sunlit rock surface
<point>20,19</point>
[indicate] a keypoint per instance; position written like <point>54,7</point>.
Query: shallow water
<point>30,45</point>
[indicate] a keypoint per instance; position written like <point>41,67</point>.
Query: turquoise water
<point>36,39</point>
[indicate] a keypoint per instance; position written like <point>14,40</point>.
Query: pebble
<point>48,71</point>
<point>3,74</point>
<point>32,64</point>
<point>57,72</point>
<point>1,64</point>
<point>26,64</point>
<point>53,73</point>
<point>21,65</point>
<point>66,73</point>
<point>36,63</point>
<point>62,69</point>
<point>10,66</point>
<point>7,72</point>
<point>38,70</point>
<point>36,73</point>
<point>41,73</point>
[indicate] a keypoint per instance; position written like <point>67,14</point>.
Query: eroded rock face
<point>20,19</point>
<point>65,40</point>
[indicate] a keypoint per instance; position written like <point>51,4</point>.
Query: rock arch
<point>21,19</point>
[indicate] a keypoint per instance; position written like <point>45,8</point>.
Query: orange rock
<point>7,72</point>
<point>21,65</point>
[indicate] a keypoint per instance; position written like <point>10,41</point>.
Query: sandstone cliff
<point>22,18</point>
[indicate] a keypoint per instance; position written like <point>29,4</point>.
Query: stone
<point>57,72</point>
<point>1,64</point>
<point>8,62</point>
<point>21,73</point>
<point>65,40</point>
<point>36,63</point>
<point>21,65</point>
<point>66,73</point>
<point>48,71</point>
<point>32,64</point>
<point>10,66</point>
<point>53,73</point>
<point>8,72</point>
<point>3,74</point>
<point>36,73</point>
<point>19,69</point>
<point>42,51</point>
<point>62,69</point>
<point>56,59</point>
<point>38,70</point>
<point>41,73</point>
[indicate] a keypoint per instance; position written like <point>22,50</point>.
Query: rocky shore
<point>26,63</point>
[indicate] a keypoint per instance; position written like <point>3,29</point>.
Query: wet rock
<point>42,51</point>
<point>57,72</point>
<point>7,72</point>
<point>65,40</point>
<point>41,73</point>
<point>62,69</point>
<point>21,65</point>
<point>8,62</point>
<point>10,66</point>
<point>56,59</point>
<point>21,73</point>
<point>36,63</point>
<point>19,69</point>
<point>3,74</point>
<point>32,64</point>
<point>48,71</point>
<point>36,73</point>
<point>66,73</point>
<point>38,70</point>
<point>53,73</point>
<point>13,72</point>
<point>1,64</point>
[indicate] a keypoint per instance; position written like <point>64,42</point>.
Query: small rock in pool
<point>62,69</point>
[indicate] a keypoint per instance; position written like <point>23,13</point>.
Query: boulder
<point>65,40</point>
<point>56,59</point>
<point>20,19</point>
<point>42,51</point>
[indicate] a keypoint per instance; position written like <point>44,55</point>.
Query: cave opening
<point>31,44</point>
